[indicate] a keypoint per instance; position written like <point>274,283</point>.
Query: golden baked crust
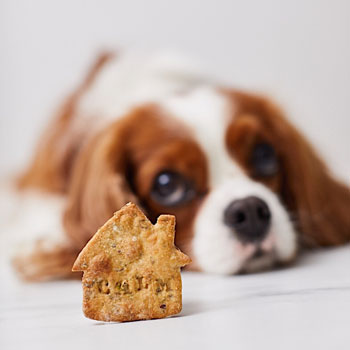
<point>132,268</point>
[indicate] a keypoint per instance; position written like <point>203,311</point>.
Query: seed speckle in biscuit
<point>132,268</point>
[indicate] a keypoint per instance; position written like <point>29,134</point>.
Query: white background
<point>297,51</point>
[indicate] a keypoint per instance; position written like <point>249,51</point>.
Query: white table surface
<point>306,306</point>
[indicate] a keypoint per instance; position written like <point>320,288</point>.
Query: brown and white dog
<point>246,188</point>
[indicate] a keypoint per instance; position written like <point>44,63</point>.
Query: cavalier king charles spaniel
<point>248,191</point>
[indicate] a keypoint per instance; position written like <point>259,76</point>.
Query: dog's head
<point>246,188</point>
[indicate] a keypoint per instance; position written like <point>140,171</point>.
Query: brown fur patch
<point>55,154</point>
<point>137,147</point>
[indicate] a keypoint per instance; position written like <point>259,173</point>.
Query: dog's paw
<point>45,260</point>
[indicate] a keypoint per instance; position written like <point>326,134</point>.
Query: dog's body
<point>246,188</point>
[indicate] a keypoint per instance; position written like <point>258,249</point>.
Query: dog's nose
<point>250,218</point>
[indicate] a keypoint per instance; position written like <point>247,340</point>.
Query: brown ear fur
<point>51,165</point>
<point>98,186</point>
<point>320,203</point>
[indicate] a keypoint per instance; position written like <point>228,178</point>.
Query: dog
<point>247,189</point>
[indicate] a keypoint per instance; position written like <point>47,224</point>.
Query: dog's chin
<point>240,258</point>
<point>260,261</point>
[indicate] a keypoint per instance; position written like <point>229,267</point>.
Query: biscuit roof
<point>129,237</point>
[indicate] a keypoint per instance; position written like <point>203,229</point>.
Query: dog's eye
<point>264,160</point>
<point>171,189</point>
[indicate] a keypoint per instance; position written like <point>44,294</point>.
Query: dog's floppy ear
<point>98,186</point>
<point>50,168</point>
<point>320,202</point>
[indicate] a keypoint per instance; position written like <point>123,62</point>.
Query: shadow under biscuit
<point>190,308</point>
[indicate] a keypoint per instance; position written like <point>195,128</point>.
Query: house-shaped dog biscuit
<point>132,268</point>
